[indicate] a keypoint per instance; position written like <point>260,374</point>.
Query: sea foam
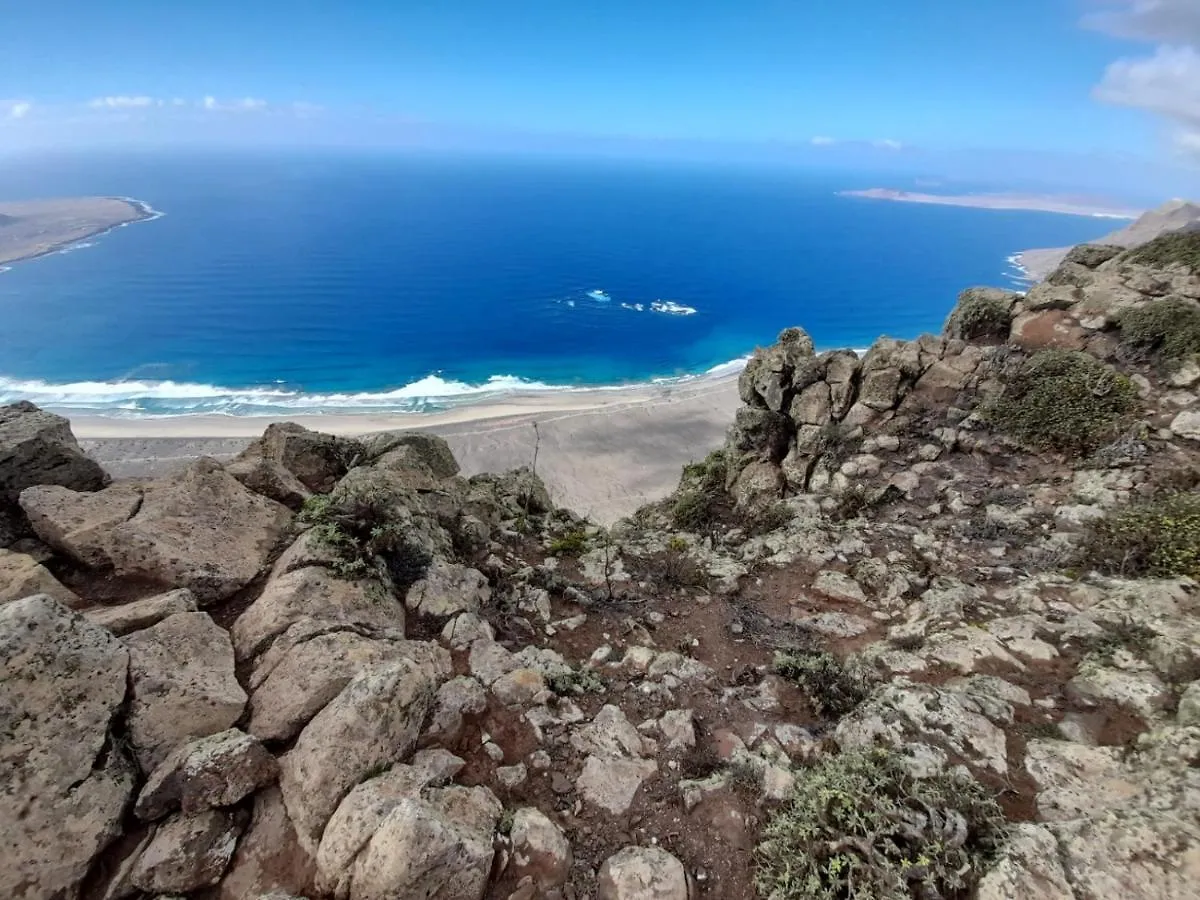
<point>136,398</point>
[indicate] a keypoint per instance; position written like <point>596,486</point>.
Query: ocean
<point>335,282</point>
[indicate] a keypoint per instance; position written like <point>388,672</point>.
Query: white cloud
<point>822,141</point>
<point>887,144</point>
<point>245,104</point>
<point>20,109</point>
<point>1165,21</point>
<point>124,102</point>
<point>1166,83</point>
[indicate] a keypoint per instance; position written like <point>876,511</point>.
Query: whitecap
<point>599,296</point>
<point>670,307</point>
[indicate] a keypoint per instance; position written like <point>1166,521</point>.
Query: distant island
<point>1074,206</point>
<point>33,228</point>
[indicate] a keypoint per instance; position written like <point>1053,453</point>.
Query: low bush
<point>1166,330</point>
<point>1170,249</point>
<point>570,543</point>
<point>860,827</point>
<point>1157,538</point>
<point>701,500</point>
<point>833,687</point>
<point>359,526</point>
<point>981,315</point>
<point>578,681</point>
<point>1062,400</point>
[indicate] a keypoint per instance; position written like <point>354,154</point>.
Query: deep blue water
<point>362,277</point>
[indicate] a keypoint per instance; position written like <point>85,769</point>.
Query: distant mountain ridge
<point>1174,215</point>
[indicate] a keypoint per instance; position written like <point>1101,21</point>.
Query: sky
<point>1105,88</point>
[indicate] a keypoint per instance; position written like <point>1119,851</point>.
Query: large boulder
<point>182,675</point>
<point>309,665</point>
<point>437,845</point>
<point>80,525</point>
<point>447,590</point>
<point>642,873</point>
<point>139,614</point>
<point>37,447</point>
<point>427,450</point>
<point>202,530</point>
<point>65,781</point>
<point>366,807</point>
<point>23,576</point>
<point>289,463</point>
<point>374,722</point>
<point>207,773</point>
<point>317,595</point>
<point>187,852</point>
<point>540,849</point>
<point>269,862</point>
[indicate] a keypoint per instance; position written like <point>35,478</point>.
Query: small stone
<point>512,776</point>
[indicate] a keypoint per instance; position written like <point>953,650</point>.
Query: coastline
<point>603,453</point>
<point>142,212</point>
<point>1024,202</point>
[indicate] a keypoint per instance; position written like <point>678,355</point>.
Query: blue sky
<point>1093,78</point>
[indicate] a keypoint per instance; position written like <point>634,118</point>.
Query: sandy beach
<point>602,453</point>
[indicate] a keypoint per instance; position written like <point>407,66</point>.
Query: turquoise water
<point>340,282</point>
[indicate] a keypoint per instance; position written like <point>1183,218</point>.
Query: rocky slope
<point>1174,215</point>
<point>926,626</point>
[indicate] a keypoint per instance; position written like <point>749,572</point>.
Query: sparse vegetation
<point>1165,330</point>
<point>676,569</point>
<point>569,543</point>
<point>701,499</point>
<point>860,827</point>
<point>765,519</point>
<point>833,687</point>
<point>837,442</point>
<point>579,681</point>
<point>1063,400</point>
<point>358,525</point>
<point>1180,247</point>
<point>1157,538</point>
<point>1131,636</point>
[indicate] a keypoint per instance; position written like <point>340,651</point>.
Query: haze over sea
<point>341,283</point>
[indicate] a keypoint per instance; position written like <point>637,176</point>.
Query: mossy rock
<point>1091,256</point>
<point>860,827</point>
<point>1177,248</point>
<point>1157,538</point>
<point>982,314</point>
<point>1063,400</point>
<point>1167,330</point>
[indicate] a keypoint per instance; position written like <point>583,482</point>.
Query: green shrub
<point>701,499</point>
<point>1063,400</point>
<point>859,827</point>
<point>1131,636</point>
<point>571,543</point>
<point>359,526</point>
<point>578,681</point>
<point>1157,538</point>
<point>765,519</point>
<point>981,315</point>
<point>1168,330</point>
<point>833,687</point>
<point>1170,249</point>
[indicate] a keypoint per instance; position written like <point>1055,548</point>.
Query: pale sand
<point>601,453</point>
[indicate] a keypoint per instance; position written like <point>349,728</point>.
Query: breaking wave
<point>134,398</point>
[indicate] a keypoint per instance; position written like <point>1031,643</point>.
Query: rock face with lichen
<point>949,585</point>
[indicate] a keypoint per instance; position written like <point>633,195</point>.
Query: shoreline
<point>143,212</point>
<point>602,453</point>
<point>1023,202</point>
<point>499,411</point>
